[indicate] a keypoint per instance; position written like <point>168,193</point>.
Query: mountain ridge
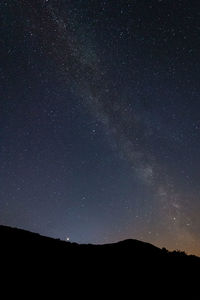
<point>32,259</point>
<point>9,235</point>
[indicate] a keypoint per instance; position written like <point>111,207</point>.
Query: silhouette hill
<point>33,262</point>
<point>18,242</point>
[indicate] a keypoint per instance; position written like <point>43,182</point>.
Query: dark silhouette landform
<point>33,261</point>
<point>18,244</point>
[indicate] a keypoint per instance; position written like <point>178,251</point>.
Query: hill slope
<point>24,243</point>
<point>34,262</point>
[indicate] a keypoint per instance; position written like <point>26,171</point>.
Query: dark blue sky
<point>100,125</point>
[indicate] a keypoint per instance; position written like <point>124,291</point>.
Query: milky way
<point>122,122</point>
<point>128,78</point>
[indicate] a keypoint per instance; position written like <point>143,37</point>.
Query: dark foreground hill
<point>126,265</point>
<point>21,243</point>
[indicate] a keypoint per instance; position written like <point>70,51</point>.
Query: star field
<point>100,125</point>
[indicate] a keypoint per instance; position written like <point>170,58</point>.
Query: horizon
<point>109,243</point>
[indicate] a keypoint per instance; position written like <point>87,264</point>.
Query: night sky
<point>100,120</point>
